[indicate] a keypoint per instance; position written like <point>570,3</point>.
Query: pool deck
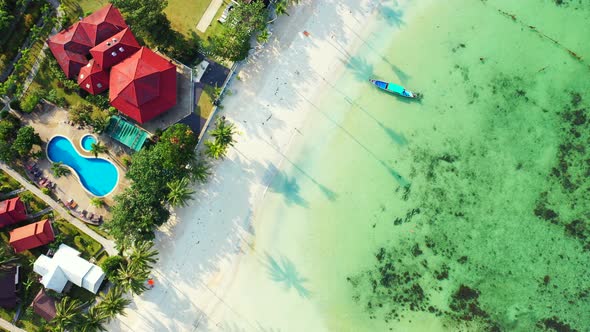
<point>52,121</point>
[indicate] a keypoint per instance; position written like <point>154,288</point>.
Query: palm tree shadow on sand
<point>362,70</point>
<point>284,272</point>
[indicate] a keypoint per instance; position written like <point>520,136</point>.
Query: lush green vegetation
<point>34,204</point>
<point>7,183</point>
<point>243,21</point>
<point>140,209</point>
<point>15,141</point>
<point>14,43</point>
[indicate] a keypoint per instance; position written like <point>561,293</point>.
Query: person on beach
<point>150,283</point>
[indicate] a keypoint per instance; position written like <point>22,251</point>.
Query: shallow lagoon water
<point>466,211</point>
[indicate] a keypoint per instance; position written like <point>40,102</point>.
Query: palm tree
<point>97,202</point>
<point>143,255</point>
<point>215,150</point>
<point>263,36</point>
<point>224,132</point>
<point>113,303</point>
<point>58,169</point>
<point>180,193</point>
<point>7,257</point>
<point>93,320</point>
<point>66,313</point>
<point>281,9</point>
<point>132,278</point>
<point>200,170</point>
<point>97,148</point>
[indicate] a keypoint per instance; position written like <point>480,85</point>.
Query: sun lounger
<point>84,212</point>
<point>74,205</point>
<point>91,215</point>
<point>100,219</point>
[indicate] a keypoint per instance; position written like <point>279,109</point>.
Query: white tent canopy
<point>67,265</point>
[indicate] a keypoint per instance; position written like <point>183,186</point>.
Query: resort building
<point>9,277</point>
<point>143,86</point>
<point>101,52</point>
<point>71,46</point>
<point>12,211</point>
<point>32,236</point>
<point>65,266</point>
<point>44,305</point>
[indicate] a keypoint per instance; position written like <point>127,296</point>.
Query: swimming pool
<point>86,142</point>
<point>97,175</point>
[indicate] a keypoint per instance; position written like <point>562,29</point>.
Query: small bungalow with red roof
<point>31,236</point>
<point>12,211</point>
<point>44,305</point>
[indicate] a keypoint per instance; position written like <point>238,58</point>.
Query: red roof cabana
<point>31,236</point>
<point>103,23</point>
<point>143,86</point>
<point>115,49</point>
<point>44,305</point>
<point>12,211</point>
<point>93,78</point>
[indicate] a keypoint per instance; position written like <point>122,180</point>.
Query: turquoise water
<point>87,141</point>
<point>467,211</point>
<point>98,176</point>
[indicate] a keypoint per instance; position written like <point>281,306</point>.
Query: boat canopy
<point>395,88</point>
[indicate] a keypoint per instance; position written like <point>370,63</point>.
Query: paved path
<point>42,53</point>
<point>9,327</point>
<point>209,15</point>
<point>108,245</point>
<point>40,213</point>
<point>12,193</point>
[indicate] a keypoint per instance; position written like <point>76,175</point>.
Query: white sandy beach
<point>206,278</point>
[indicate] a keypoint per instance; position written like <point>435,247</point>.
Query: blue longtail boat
<point>396,89</point>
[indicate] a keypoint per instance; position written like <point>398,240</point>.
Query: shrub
<point>15,105</point>
<point>111,265</point>
<point>29,103</point>
<point>46,191</point>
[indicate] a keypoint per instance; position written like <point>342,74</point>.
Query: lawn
<point>34,204</point>
<point>44,81</point>
<point>205,103</point>
<point>184,15</point>
<point>89,6</point>
<point>7,183</point>
<point>74,238</point>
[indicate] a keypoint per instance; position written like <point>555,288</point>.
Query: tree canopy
<point>139,209</point>
<point>243,21</point>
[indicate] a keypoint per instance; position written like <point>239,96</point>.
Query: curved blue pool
<point>87,141</point>
<point>98,176</point>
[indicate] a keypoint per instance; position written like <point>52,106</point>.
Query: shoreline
<point>198,276</point>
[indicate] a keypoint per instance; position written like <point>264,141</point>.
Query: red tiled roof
<point>31,236</point>
<point>12,211</point>
<point>69,62</point>
<point>44,305</point>
<point>143,86</point>
<point>93,78</point>
<point>103,23</point>
<point>115,49</point>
